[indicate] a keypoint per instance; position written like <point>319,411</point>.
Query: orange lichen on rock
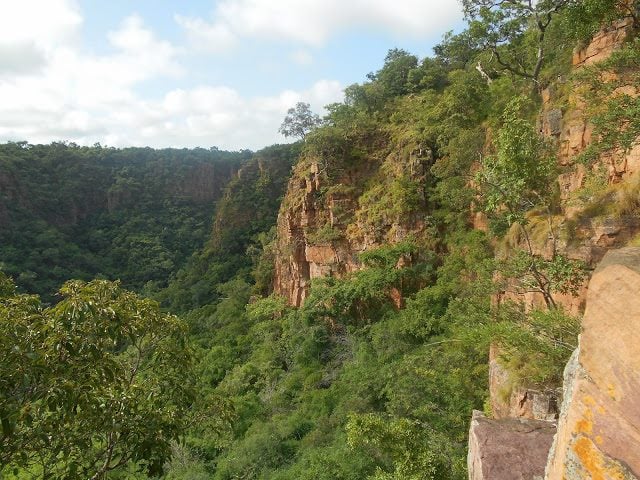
<point>595,464</point>
<point>585,424</point>
<point>599,427</point>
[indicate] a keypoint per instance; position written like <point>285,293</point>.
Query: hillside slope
<point>134,214</point>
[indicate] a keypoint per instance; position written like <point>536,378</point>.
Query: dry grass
<point>635,241</point>
<point>537,228</point>
<point>628,197</point>
<point>618,200</point>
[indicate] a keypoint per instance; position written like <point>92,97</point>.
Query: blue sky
<point>193,73</point>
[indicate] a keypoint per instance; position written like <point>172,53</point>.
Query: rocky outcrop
<point>310,240</point>
<point>324,224</point>
<point>598,433</point>
<point>603,43</point>
<point>599,428</point>
<point>567,122</point>
<point>509,449</point>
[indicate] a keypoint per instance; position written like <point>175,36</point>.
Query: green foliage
<point>526,272</point>
<point>400,443</point>
<point>388,256</point>
<point>299,121</point>
<point>519,176</point>
<point>515,32</point>
<point>535,345</point>
<point>586,17</point>
<point>97,381</point>
<point>431,74</point>
<point>240,233</point>
<point>324,235</point>
<point>393,77</point>
<point>7,287</point>
<point>456,51</point>
<point>307,383</point>
<point>363,299</point>
<point>262,254</point>
<point>134,214</point>
<point>389,202</point>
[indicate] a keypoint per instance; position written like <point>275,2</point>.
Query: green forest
<point>134,214</point>
<point>142,332</point>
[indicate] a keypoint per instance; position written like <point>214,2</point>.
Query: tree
<point>517,179</point>
<point>299,121</point>
<point>505,28</point>
<point>520,175</point>
<point>393,76</point>
<point>95,383</point>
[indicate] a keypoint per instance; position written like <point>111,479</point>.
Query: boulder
<point>599,426</point>
<point>508,449</point>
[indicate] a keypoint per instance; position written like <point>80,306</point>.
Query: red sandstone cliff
<point>324,224</point>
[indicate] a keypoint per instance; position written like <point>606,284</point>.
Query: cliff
<point>597,191</point>
<point>64,184</point>
<point>325,223</point>
<point>597,431</point>
<point>599,426</point>
<point>241,233</point>
<point>598,418</point>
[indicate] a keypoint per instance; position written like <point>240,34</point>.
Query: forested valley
<point>323,309</point>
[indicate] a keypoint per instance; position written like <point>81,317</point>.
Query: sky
<point>193,73</point>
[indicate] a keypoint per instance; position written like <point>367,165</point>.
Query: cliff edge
<point>599,428</point>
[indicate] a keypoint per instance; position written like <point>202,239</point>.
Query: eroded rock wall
<point>598,436</point>
<point>580,233</point>
<point>324,224</point>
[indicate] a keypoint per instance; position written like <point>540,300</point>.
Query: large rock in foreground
<point>599,427</point>
<point>508,449</point>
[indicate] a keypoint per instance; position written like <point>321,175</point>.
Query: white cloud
<point>214,115</point>
<point>30,30</point>
<point>41,23</point>
<point>20,59</point>
<point>313,22</point>
<point>204,36</point>
<point>57,91</point>
<point>202,116</point>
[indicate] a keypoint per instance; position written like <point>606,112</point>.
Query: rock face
<point>586,235</point>
<point>569,125</point>
<point>603,43</point>
<point>599,428</point>
<point>599,425</point>
<point>508,449</point>
<point>324,224</point>
<point>301,257</point>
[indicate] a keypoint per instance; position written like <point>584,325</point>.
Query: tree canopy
<point>97,382</point>
<point>299,121</point>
